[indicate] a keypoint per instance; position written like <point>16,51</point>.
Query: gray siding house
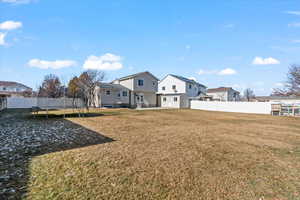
<point>111,95</point>
<point>142,89</point>
<point>136,90</point>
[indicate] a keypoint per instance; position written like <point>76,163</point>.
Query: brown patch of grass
<point>176,154</point>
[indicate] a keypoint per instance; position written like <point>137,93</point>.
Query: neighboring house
<point>278,99</point>
<point>8,88</point>
<point>142,89</point>
<point>175,91</point>
<point>223,94</point>
<point>112,95</point>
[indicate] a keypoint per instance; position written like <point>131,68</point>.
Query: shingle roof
<point>133,75</point>
<point>111,86</point>
<point>220,89</point>
<point>187,80</point>
<point>278,97</point>
<point>12,84</point>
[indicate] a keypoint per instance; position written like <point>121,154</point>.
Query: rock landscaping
<point>22,137</point>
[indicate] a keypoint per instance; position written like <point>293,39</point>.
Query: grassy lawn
<point>174,154</point>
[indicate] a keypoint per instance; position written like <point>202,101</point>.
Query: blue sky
<point>220,43</point>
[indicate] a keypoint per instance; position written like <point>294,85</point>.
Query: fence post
<point>47,107</point>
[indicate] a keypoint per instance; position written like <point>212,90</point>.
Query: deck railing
<point>286,109</point>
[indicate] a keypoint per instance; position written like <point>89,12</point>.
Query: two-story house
<point>175,91</point>
<point>224,94</point>
<point>111,95</point>
<point>9,88</point>
<point>142,89</point>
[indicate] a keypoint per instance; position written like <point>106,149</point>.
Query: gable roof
<point>185,80</point>
<point>13,84</point>
<point>220,89</point>
<point>137,74</point>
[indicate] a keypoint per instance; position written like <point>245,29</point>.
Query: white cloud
<point>201,72</point>
<point>107,62</point>
<point>57,64</point>
<point>181,58</point>
<point>258,83</point>
<point>279,84</point>
<point>187,47</point>
<point>227,71</point>
<point>2,39</point>
<point>10,25</point>
<point>223,72</point>
<point>229,26</point>
<point>17,1</point>
<point>295,41</point>
<point>193,78</point>
<point>293,12</point>
<point>295,24</point>
<point>206,72</point>
<point>265,61</point>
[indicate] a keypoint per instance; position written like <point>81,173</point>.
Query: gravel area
<point>22,137</point>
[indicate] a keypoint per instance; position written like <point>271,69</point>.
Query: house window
<point>174,87</point>
<point>175,99</point>
<point>124,93</point>
<point>140,82</point>
<point>153,83</point>
<point>142,98</point>
<point>164,99</point>
<point>163,88</point>
<point>107,92</point>
<point>4,88</point>
<point>119,94</point>
<point>190,86</point>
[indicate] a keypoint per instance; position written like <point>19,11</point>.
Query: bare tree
<point>292,86</point>
<point>293,83</point>
<point>248,94</point>
<point>27,93</point>
<point>51,87</point>
<point>74,91</point>
<point>85,86</point>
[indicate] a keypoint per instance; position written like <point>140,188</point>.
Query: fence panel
<point>44,103</point>
<point>240,107</point>
<point>21,102</point>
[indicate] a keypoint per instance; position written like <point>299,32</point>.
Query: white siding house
<point>8,88</point>
<point>223,94</point>
<point>174,91</point>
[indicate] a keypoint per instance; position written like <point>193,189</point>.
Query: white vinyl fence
<point>240,107</point>
<point>44,103</point>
